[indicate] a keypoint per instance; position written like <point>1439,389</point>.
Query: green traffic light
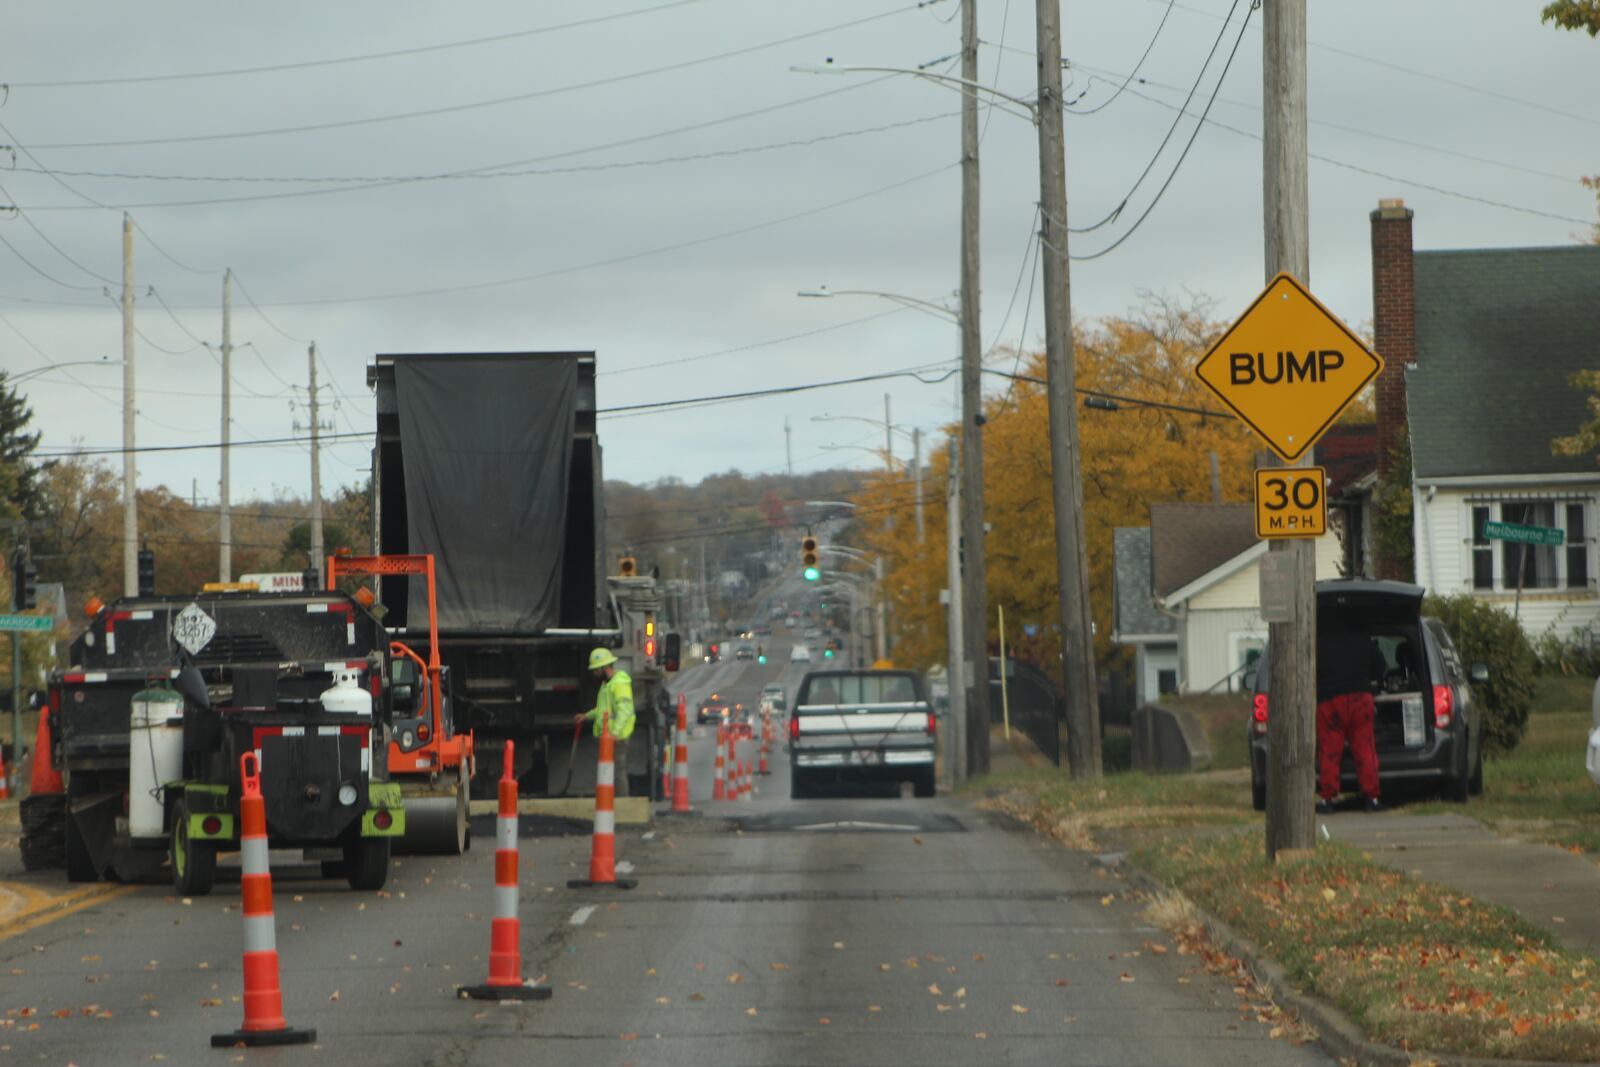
<point>827,653</point>
<point>761,659</point>
<point>812,574</point>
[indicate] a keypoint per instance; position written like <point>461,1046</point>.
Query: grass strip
<point>1413,964</point>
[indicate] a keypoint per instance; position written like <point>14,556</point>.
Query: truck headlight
<point>407,740</point>
<point>347,795</point>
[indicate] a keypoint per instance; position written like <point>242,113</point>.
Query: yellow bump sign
<point>1291,502</point>
<point>1288,367</point>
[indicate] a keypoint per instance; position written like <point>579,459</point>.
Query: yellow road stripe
<point>40,907</point>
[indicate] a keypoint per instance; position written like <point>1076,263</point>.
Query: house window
<point>1166,682</point>
<point>1482,551</point>
<point>1496,564</point>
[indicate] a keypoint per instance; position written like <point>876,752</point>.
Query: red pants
<point>1342,719</point>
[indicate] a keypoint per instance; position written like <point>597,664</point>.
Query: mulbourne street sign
<point>26,622</point>
<point>1523,535</point>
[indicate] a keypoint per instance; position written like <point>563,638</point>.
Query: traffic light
<point>147,572</point>
<point>627,566</point>
<point>809,558</point>
<point>24,576</point>
<point>650,638</point>
<point>827,653</point>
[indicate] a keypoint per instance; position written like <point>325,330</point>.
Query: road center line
<point>581,916</point>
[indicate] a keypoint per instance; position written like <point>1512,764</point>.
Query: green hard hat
<point>601,657</point>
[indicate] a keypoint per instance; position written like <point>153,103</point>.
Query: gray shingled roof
<point>1499,334</point>
<point>1135,606</point>
<point>1188,540</point>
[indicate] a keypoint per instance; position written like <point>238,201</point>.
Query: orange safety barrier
<point>719,789</point>
<point>603,854</point>
<point>731,791</point>
<point>680,760</point>
<point>505,928</point>
<point>263,997</point>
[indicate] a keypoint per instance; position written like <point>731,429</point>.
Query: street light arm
<point>949,81</point>
<point>901,430</point>
<point>926,306</point>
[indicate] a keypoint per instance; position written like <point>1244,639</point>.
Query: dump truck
<point>490,462</point>
<point>165,693</point>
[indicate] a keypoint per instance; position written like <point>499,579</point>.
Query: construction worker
<point>613,706</point>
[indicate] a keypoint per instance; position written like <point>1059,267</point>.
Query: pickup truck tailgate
<point>890,733</point>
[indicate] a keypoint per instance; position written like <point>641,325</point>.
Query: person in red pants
<point>1345,709</point>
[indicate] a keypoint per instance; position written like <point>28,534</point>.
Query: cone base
<point>668,811</point>
<point>584,883</point>
<point>263,1038</point>
<point>525,991</point>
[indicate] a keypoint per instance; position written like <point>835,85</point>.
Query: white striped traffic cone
<point>719,785</point>
<point>263,996</point>
<point>680,760</point>
<point>603,853</point>
<point>505,928</point>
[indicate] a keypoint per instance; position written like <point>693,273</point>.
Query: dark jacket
<point>1345,658</point>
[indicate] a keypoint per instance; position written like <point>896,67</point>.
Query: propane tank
<point>346,696</point>
<point>155,757</point>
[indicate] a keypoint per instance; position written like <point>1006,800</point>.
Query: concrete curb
<point>1335,1032</point>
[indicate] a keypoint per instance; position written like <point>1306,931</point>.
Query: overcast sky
<point>658,183</point>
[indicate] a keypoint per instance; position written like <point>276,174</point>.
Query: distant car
<point>1427,727</point>
<point>799,654</point>
<point>744,652</point>
<point>714,709</point>
<point>777,695</point>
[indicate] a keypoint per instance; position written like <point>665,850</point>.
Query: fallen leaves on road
<point>735,978</point>
<point>824,1021</point>
<point>1061,983</point>
<point>980,1036</point>
<point>750,1011</point>
<point>697,996</point>
<point>1125,977</point>
<point>1019,1009</point>
<point>632,1036</point>
<point>334,996</point>
<point>960,994</point>
<point>779,966</point>
<point>934,989</point>
<point>663,1000</point>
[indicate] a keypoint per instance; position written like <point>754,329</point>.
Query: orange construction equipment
<point>429,759</point>
<point>263,998</point>
<point>719,789</point>
<point>603,854</point>
<point>505,929</point>
<point>46,779</point>
<point>680,761</point>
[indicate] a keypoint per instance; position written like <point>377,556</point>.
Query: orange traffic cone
<point>719,788</point>
<point>263,997</point>
<point>680,762</point>
<point>45,779</point>
<point>731,790</point>
<point>603,854</point>
<point>505,929</point>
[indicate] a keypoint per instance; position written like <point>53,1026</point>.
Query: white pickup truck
<point>862,726</point>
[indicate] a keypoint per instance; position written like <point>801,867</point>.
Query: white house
<point>1486,343</point>
<point>1205,579</point>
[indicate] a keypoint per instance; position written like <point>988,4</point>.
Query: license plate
<point>864,759</point>
<point>1411,720</point>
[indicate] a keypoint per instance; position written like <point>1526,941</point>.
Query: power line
<point>1136,67</point>
<point>1193,135</point>
<point>453,109</point>
<point>1199,77</point>
<point>146,79</point>
<point>679,361</point>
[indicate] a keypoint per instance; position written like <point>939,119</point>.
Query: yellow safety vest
<point>614,704</point>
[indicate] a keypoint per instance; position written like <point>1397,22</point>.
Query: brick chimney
<point>1395,334</point>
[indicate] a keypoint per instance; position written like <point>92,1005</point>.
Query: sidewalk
<point>1547,886</point>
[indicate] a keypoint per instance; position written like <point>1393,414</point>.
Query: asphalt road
<point>855,930</point>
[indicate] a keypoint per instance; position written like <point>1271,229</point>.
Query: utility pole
<point>788,446</point>
<point>316,472</point>
<point>955,643</point>
<point>1072,568</point>
<point>130,489</point>
<point>888,436</point>
<point>916,474</point>
<point>1291,740</point>
<point>883,608</point>
<point>225,509</point>
<point>974,590</point>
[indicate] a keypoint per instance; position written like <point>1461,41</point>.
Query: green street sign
<point>1523,535</point>
<point>26,622</point>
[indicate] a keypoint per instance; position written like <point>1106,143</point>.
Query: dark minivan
<point>1427,728</point>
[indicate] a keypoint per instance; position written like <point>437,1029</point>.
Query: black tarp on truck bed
<point>488,445</point>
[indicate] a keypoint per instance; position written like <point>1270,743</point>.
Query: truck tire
<point>366,863</point>
<point>925,784</point>
<point>800,785</point>
<point>194,863</point>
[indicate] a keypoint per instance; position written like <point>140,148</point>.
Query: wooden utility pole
<point>225,508</point>
<point>955,640</point>
<point>316,472</point>
<point>1072,567</point>
<point>130,477</point>
<point>975,572</point>
<point>1291,736</point>
<point>916,478</point>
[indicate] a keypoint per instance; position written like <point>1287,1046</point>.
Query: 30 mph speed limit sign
<point>1290,502</point>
